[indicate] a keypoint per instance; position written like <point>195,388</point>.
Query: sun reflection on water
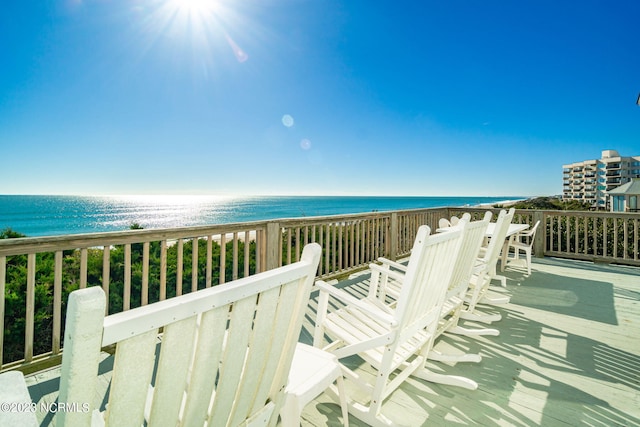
<point>164,211</point>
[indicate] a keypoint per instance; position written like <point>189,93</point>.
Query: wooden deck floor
<point>568,354</point>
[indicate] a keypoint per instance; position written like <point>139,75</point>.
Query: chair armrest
<point>391,273</point>
<point>393,264</point>
<point>350,300</point>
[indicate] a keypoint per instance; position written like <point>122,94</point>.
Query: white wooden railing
<point>138,267</point>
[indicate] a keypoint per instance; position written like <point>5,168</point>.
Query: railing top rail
<point>310,220</point>
<point>594,214</point>
<point>24,245</point>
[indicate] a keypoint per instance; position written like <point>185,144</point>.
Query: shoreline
<point>504,204</point>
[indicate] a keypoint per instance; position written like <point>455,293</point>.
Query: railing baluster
<point>559,235</point>
<point>83,268</point>
<point>30,308</point>
<point>605,245</point>
<point>289,245</point>
<point>594,235</point>
<point>586,234</point>
<point>261,252</point>
<point>179,267</point>
<point>126,298</point>
<point>636,249</point>
<point>553,219</point>
<point>234,274</point>
<point>194,264</point>
<point>3,281</point>
<point>163,270</point>
<point>298,244</point>
<point>247,246</point>
<point>321,243</point>
<point>575,234</point>
<point>353,245</point>
<point>356,250</point>
<point>615,237</point>
<point>57,303</point>
<point>209,273</point>
<point>144,298</point>
<point>625,227</point>
<point>106,274</point>
<point>333,246</point>
<point>223,258</point>
<point>340,267</point>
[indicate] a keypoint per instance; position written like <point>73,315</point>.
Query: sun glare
<point>196,6</point>
<point>203,24</point>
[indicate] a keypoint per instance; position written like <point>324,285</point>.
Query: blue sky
<point>313,97</point>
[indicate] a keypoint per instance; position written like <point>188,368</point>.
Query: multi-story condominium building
<point>589,180</point>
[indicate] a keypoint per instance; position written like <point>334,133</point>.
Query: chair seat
<point>353,326</point>
<point>312,371</point>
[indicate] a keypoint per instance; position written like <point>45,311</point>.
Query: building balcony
<point>567,352</point>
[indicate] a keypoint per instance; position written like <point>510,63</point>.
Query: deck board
<point>568,354</point>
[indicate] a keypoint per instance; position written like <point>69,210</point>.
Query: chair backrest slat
<point>260,341</point>
<point>132,372</point>
<point>176,353</point>
<point>213,325</point>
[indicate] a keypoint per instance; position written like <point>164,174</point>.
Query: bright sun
<point>202,23</point>
<point>196,6</point>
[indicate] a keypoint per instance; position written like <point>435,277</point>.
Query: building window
<point>633,203</point>
<point>618,203</point>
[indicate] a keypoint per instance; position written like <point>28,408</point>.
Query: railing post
<point>272,245</point>
<point>541,235</point>
<point>393,236</point>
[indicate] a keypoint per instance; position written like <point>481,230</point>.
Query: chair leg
<point>343,401</point>
<point>478,317</point>
<point>502,279</point>
<point>454,358</point>
<point>427,375</point>
<point>495,299</point>
<point>459,330</point>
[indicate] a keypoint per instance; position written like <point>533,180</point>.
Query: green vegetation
<point>550,203</point>
<point>17,271</point>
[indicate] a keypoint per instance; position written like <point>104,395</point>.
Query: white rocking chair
<point>484,271</point>
<point>384,286</point>
<point>392,341</point>
<point>223,358</point>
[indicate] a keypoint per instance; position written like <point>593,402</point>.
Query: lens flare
<point>287,120</point>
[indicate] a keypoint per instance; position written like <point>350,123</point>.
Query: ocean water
<point>56,215</point>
